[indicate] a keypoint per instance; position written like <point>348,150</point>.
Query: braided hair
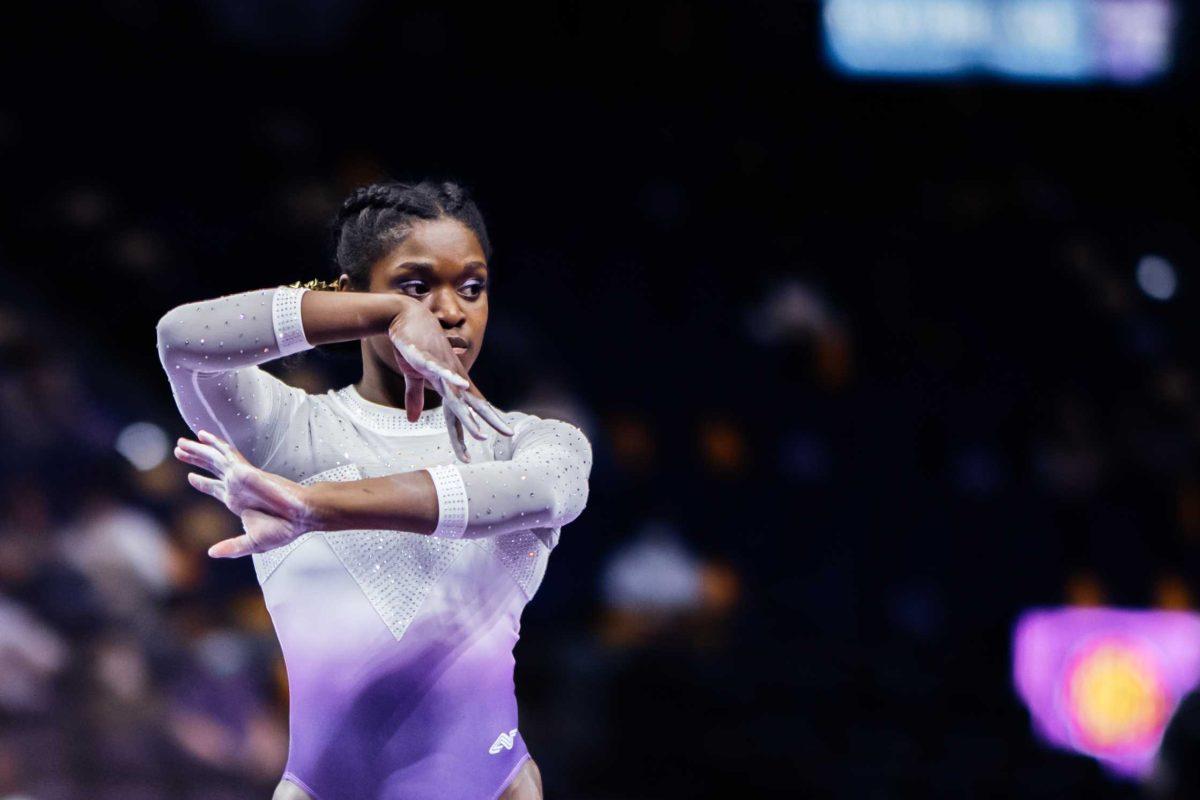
<point>376,218</point>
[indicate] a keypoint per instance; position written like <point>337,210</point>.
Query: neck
<point>385,386</point>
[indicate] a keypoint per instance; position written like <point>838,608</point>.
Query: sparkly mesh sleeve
<point>543,485</point>
<point>211,351</point>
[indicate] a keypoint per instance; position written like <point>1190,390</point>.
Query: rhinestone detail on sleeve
<point>285,316</point>
<point>452,501</point>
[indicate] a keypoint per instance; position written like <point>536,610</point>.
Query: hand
<point>424,355</point>
<point>273,510</point>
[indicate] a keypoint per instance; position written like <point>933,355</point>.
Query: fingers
<point>446,374</point>
<point>239,546</point>
<point>199,455</point>
<point>236,547</point>
<point>457,444</point>
<point>414,397</point>
<point>488,412</point>
<point>223,447</point>
<point>452,376</point>
<point>209,486</point>
<point>427,366</point>
<point>464,414</point>
<point>189,458</point>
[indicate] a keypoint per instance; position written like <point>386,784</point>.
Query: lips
<point>458,344</point>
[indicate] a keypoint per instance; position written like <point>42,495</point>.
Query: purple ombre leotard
<point>399,647</point>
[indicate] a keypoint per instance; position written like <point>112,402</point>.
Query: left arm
<point>544,485</point>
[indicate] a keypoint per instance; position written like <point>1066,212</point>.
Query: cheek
<point>479,317</point>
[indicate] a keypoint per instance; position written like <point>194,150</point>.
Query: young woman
<point>395,553</point>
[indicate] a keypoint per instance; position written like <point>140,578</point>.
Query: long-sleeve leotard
<point>398,646</point>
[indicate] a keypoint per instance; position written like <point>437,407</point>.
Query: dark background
<point>868,358</point>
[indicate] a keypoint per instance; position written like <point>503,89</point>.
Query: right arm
<point>211,351</point>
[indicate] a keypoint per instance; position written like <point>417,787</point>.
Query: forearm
<point>344,316</point>
<point>406,501</point>
<point>250,328</point>
<point>545,485</point>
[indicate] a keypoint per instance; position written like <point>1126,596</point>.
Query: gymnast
<point>398,525</point>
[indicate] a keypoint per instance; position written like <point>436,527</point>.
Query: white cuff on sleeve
<point>452,501</point>
<point>285,316</point>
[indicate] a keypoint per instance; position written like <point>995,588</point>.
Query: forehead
<point>442,239</point>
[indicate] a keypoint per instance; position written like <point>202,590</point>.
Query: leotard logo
<point>503,742</point>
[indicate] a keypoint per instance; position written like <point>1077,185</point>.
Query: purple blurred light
<point>1104,682</point>
<point>1134,37</point>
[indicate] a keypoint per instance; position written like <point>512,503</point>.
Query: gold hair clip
<point>316,285</point>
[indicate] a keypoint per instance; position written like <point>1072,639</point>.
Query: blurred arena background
<point>880,315</point>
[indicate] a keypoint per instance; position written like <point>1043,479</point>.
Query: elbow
<point>169,335</point>
<point>568,502</point>
<point>571,490</point>
<point>175,336</point>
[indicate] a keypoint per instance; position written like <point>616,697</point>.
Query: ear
<point>343,283</point>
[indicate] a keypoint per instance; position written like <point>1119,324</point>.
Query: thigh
<point>286,790</point>
<point>527,785</point>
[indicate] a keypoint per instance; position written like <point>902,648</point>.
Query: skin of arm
<point>406,501</point>
<point>343,316</point>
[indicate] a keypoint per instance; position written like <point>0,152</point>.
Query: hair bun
<point>378,195</point>
<point>453,196</point>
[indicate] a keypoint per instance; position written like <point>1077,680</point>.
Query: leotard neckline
<point>389,419</point>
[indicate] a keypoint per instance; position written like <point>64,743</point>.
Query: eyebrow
<point>426,267</point>
<point>414,266</point>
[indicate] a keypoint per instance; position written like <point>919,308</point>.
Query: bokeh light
<point>144,444</point>
<point>1156,277</point>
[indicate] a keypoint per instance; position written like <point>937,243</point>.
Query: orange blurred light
<point>723,447</point>
<point>633,446</point>
<point>1172,592</point>
<point>1084,589</point>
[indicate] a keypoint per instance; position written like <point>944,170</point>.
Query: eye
<point>414,288</point>
<point>473,288</point>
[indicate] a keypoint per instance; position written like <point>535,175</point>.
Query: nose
<point>446,307</point>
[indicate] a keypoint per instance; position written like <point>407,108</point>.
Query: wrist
<point>319,509</point>
<point>391,308</point>
<point>399,308</point>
